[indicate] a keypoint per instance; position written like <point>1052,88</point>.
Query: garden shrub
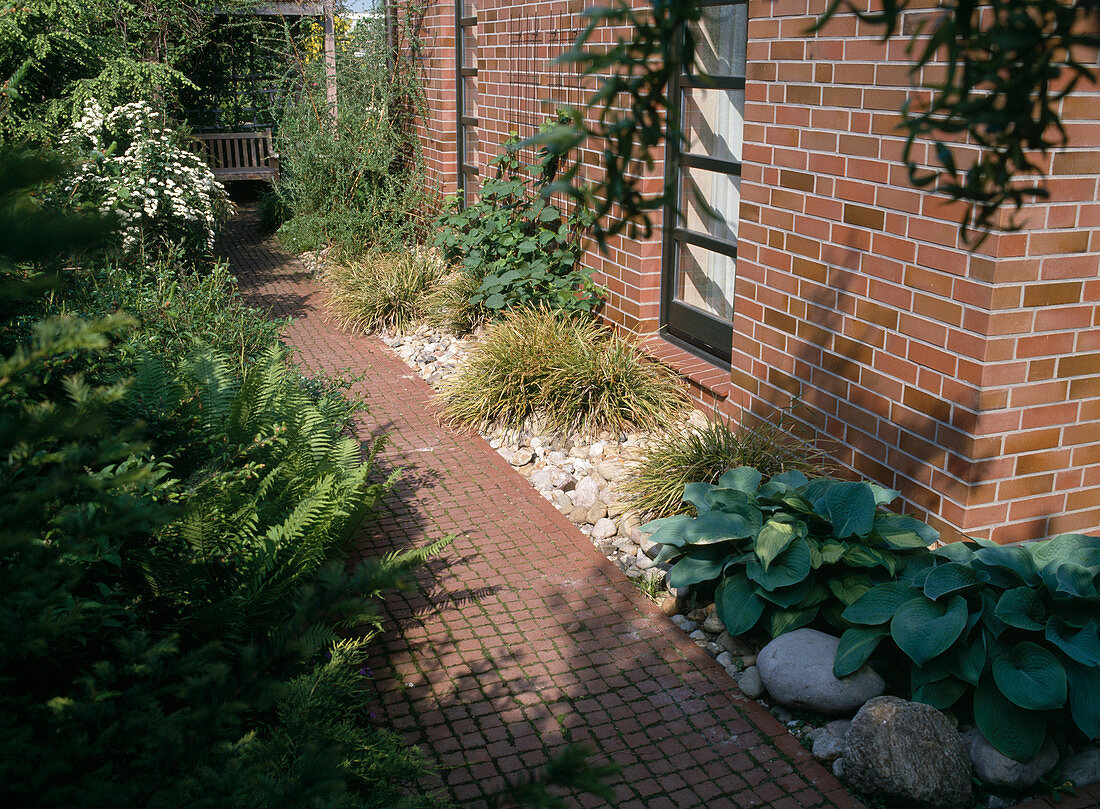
<point>571,374</point>
<point>520,249</point>
<point>173,559</point>
<point>682,456</point>
<point>383,290</point>
<point>1015,630</point>
<point>132,166</point>
<point>784,553</point>
<point>357,182</point>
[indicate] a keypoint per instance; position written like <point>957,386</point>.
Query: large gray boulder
<point>797,670</point>
<point>1083,767</point>
<point>1003,774</point>
<point>907,752</point>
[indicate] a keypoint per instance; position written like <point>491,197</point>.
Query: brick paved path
<point>525,637</point>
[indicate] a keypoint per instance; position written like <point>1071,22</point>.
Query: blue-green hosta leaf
<point>790,567</point>
<point>698,565</point>
<point>738,605</point>
<point>1015,732</point>
<point>932,688</point>
<point>653,526</point>
<point>831,551</point>
<point>1082,645</point>
<point>882,495</point>
<point>962,552</point>
<point>696,495</point>
<point>782,621</point>
<point>966,660</point>
<point>1084,697</point>
<point>1013,561</point>
<point>668,553</point>
<point>916,569</point>
<point>951,578</point>
<point>990,620</point>
<point>792,478</point>
<point>1069,580</point>
<point>1022,608</point>
<point>849,507</point>
<point>902,532</point>
<point>774,538</point>
<point>742,478</point>
<point>733,500</point>
<point>862,556</point>
<point>1076,548</point>
<point>850,587</point>
<point>787,597</point>
<point>706,529</point>
<point>856,646</point>
<point>878,605</point>
<point>923,628</point>
<point>1031,677</point>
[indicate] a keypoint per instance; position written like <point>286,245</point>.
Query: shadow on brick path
<point>524,638</point>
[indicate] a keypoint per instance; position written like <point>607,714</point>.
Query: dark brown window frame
<point>467,174</point>
<point>698,330</point>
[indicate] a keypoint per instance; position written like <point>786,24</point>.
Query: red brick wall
<point>970,381</point>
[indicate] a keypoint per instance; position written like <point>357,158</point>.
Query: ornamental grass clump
<point>570,374</point>
<point>382,290</point>
<point>678,457</point>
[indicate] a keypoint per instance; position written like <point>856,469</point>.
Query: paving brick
<point>522,637</point>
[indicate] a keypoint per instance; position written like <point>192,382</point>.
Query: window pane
<point>469,96</point>
<point>469,8</point>
<point>721,192</point>
<point>469,47</point>
<point>721,39</point>
<point>704,279</point>
<point>714,122</point>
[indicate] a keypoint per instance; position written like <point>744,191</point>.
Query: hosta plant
<point>1016,628</point>
<point>785,552</point>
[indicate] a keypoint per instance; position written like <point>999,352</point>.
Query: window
<point>466,61</point>
<point>700,238</point>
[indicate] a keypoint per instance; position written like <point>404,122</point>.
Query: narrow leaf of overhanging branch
<point>631,111</point>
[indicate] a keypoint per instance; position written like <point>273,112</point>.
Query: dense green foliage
<point>173,534</point>
<point>1008,633</point>
<point>782,553</point>
<point>354,181</point>
<point>57,55</point>
<point>1013,629</point>
<point>546,370</point>
<point>1008,65</point>
<point>519,249</point>
<point>679,457</point>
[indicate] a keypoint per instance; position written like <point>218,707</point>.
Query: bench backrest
<point>240,153</point>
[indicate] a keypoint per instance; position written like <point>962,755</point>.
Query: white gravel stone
<point>605,528</point>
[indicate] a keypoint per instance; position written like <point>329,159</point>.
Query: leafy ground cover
<point>1004,636</point>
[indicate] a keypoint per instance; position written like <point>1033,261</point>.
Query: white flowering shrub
<point>130,164</point>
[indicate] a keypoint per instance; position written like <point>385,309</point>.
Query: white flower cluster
<point>132,165</point>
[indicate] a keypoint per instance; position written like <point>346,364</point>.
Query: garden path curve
<point>523,637</point>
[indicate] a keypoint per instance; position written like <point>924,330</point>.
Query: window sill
<point>703,373</point>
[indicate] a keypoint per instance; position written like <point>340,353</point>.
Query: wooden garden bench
<point>241,155</point>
